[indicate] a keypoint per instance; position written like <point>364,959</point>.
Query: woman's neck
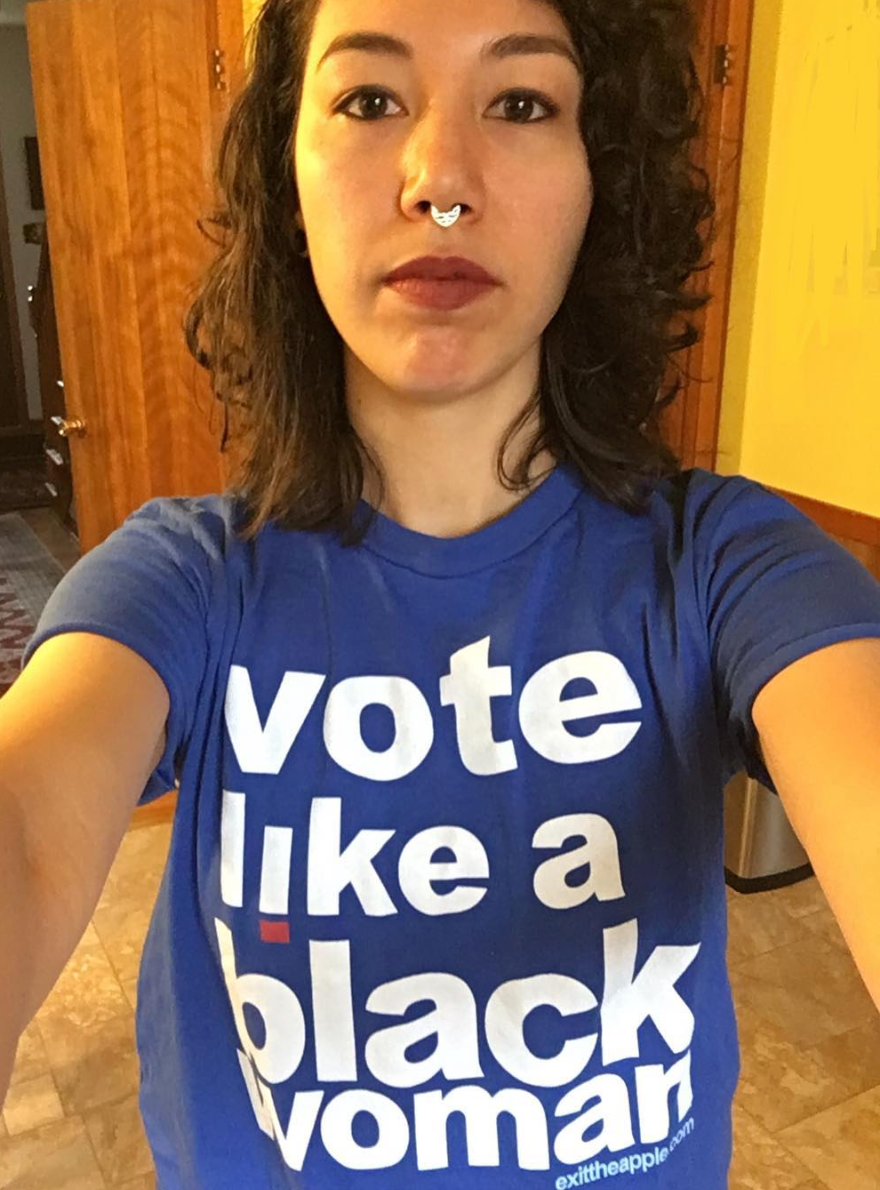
<point>449,497</point>
<point>439,453</point>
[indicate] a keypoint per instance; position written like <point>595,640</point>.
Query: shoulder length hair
<point>259,326</point>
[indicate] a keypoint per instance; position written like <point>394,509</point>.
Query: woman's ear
<point>301,229</point>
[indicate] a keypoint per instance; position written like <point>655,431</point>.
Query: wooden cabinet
<point>19,435</point>
<point>56,450</point>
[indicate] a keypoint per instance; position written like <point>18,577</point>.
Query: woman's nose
<point>441,166</point>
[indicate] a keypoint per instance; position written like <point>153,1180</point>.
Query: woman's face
<point>444,133</point>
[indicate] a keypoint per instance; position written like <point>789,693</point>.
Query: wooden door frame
<point>226,67</point>
<point>691,425</point>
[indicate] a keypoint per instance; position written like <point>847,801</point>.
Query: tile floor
<point>806,1114</point>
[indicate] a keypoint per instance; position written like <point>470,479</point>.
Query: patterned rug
<point>23,485</point>
<point>28,576</point>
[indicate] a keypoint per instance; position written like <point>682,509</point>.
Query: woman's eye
<point>516,101</point>
<point>530,98</point>
<point>359,96</point>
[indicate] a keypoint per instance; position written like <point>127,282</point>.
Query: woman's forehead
<point>409,29</point>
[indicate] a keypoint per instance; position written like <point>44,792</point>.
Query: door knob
<point>66,427</point>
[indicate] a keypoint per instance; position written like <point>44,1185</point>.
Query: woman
<point>456,674</point>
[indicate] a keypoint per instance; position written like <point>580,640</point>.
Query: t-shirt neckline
<point>511,533</point>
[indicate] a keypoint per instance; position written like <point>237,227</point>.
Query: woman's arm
<point>81,728</point>
<point>818,722</point>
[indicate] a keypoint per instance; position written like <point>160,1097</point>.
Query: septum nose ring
<point>446,218</point>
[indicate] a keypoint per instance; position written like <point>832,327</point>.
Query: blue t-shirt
<point>444,904</point>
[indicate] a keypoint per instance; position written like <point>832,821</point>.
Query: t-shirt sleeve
<point>775,587</point>
<point>147,586</point>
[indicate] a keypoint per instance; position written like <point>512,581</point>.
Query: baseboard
<point>160,810</point>
<point>838,522</point>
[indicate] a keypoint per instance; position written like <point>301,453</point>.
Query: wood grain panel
<point>690,426</point>
<point>122,100</point>
<point>168,146</point>
<point>79,118</point>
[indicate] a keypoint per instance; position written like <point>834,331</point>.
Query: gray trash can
<point>761,850</point>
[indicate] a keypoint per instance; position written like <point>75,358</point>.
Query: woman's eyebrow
<point>502,47</point>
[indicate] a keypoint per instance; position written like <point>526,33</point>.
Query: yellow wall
<point>801,396</point>
<point>250,9</point>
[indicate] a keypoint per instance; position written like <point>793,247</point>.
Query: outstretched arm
<point>818,721</point>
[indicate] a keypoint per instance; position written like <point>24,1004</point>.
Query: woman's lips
<point>440,295</point>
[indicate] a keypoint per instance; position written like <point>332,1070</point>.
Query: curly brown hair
<point>275,356</point>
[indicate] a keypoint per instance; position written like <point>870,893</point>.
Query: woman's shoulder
<point>696,488</point>
<point>697,504</point>
<point>210,520</point>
